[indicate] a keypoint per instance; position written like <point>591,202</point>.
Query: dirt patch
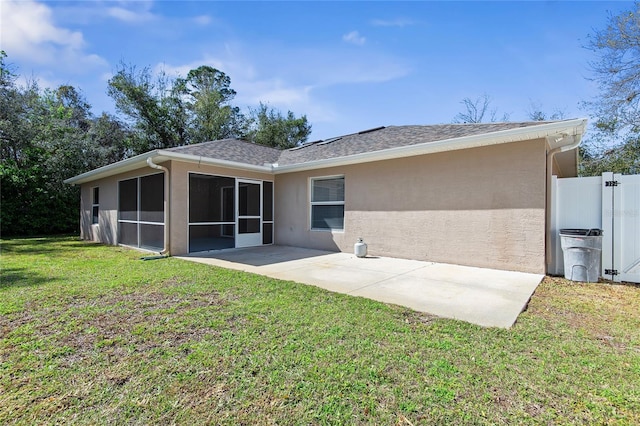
<point>117,325</point>
<point>604,311</point>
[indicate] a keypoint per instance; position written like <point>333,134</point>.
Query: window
<point>327,203</point>
<point>141,212</point>
<point>95,205</point>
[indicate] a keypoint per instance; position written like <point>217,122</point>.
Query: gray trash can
<point>581,250</point>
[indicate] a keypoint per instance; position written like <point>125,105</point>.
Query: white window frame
<point>95,205</point>
<point>324,203</point>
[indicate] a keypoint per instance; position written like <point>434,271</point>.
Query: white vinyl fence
<point>610,202</point>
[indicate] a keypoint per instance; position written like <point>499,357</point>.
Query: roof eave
<point>198,159</point>
<point>568,127</point>
<point>574,127</point>
<point>140,161</point>
<point>126,165</point>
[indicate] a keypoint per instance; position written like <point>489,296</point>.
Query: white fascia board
<point>126,165</point>
<point>140,161</point>
<point>574,127</point>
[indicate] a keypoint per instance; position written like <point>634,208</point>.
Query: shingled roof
<point>377,144</point>
<point>372,140</point>
<point>232,150</point>
<point>389,137</point>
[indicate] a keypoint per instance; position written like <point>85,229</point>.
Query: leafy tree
<point>157,112</point>
<point>170,112</point>
<point>197,108</point>
<point>208,100</point>
<point>613,143</point>
<point>46,137</point>
<point>617,70</point>
<point>7,76</point>
<point>479,111</point>
<point>620,158</point>
<point>111,138</point>
<point>269,127</point>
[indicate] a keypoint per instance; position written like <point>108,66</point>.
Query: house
<point>469,194</point>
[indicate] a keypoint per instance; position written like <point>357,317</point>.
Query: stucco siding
<point>480,207</point>
<point>106,231</point>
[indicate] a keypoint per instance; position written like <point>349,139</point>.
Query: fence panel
<point>626,228</point>
<point>610,202</point>
<point>576,203</point>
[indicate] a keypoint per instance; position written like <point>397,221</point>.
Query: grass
<point>90,334</point>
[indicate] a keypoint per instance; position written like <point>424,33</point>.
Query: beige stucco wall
<point>480,207</point>
<point>106,231</point>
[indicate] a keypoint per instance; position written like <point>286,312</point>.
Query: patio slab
<point>487,297</point>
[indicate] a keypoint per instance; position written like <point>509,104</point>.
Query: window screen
<point>141,212</point>
<point>327,203</point>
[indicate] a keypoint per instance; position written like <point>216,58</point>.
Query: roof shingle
<point>368,141</point>
<point>232,150</point>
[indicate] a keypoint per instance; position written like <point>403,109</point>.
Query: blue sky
<point>348,66</point>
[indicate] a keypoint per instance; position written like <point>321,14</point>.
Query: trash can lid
<point>593,232</point>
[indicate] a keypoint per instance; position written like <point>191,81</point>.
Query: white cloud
<point>127,15</point>
<point>398,22</point>
<point>27,24</point>
<point>354,37</point>
<point>263,73</point>
<point>275,91</point>
<point>130,16</point>
<point>131,12</point>
<point>202,20</point>
<point>29,32</point>
<point>253,88</point>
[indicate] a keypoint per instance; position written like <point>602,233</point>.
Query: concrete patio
<point>486,297</point>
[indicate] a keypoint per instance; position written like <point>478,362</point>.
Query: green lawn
<point>91,334</point>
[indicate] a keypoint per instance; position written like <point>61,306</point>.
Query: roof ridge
<point>531,122</point>
<point>217,141</point>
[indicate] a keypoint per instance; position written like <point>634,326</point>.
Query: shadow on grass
<point>21,277</point>
<point>44,245</point>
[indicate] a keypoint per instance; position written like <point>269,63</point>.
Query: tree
<point>168,112</point>
<point>537,113</point>
<point>208,100</point>
<point>269,127</point>
<point>598,155</point>
<point>617,70</point>
<point>15,114</point>
<point>46,137</point>
<point>156,110</point>
<point>613,143</point>
<point>111,138</point>
<point>478,111</point>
